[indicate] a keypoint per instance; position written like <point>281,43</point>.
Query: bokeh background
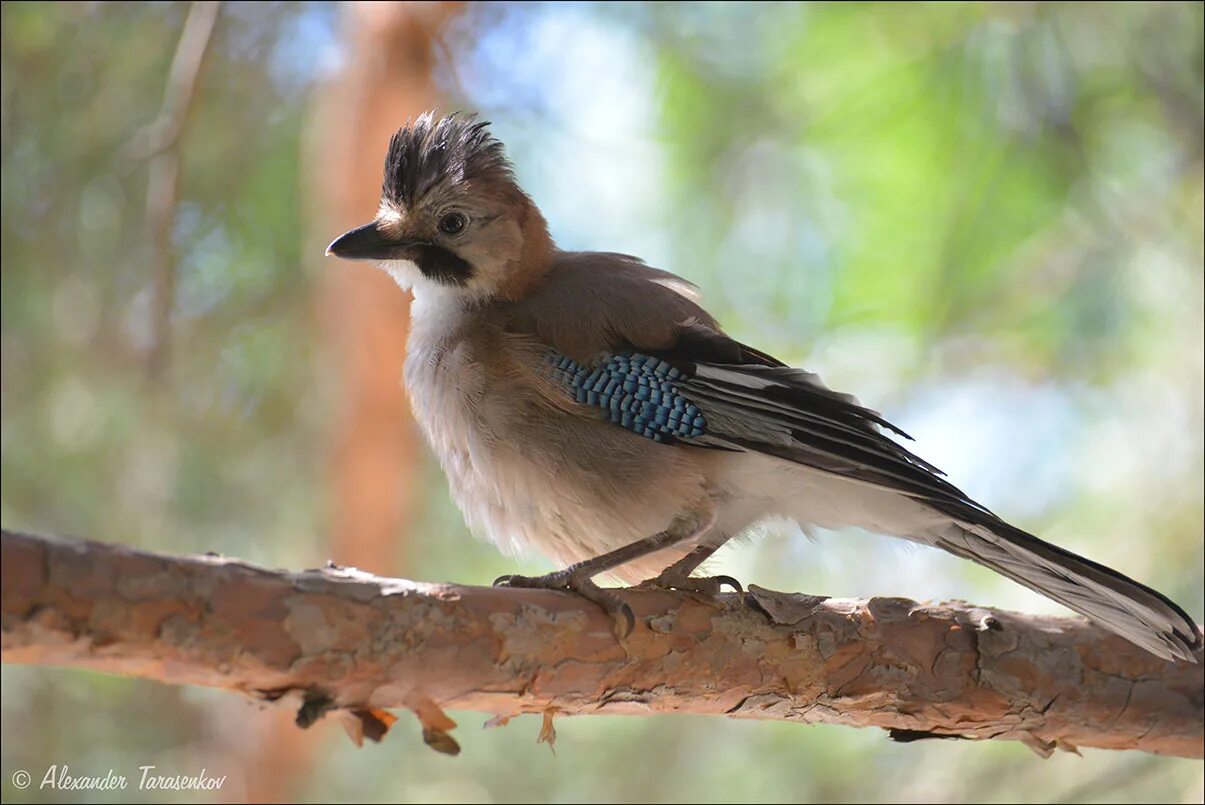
<point>984,219</point>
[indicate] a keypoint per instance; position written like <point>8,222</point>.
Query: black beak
<point>367,243</point>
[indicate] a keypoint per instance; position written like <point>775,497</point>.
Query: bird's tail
<point>1132,610</point>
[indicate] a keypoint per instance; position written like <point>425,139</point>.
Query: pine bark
<point>337,640</point>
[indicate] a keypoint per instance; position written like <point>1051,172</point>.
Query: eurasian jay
<point>585,405</point>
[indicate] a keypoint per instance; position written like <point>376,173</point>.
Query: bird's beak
<point>367,243</point>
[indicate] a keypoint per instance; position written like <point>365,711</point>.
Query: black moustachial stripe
<point>440,264</point>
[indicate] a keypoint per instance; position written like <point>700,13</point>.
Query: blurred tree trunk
<point>389,62</point>
<point>388,79</point>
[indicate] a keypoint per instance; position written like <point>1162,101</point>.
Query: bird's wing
<point>634,341</point>
<point>762,405</point>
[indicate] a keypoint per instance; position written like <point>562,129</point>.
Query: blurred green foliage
<point>90,446</point>
<point>986,219</point>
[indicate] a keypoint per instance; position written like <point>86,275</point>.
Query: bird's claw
<point>549,581</point>
<point>705,585</point>
<point>622,616</point>
<point>607,600</point>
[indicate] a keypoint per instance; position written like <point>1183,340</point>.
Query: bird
<point>585,405</point>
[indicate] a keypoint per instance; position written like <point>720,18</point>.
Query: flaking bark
<point>344,641</point>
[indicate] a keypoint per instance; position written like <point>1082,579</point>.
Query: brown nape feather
<point>536,257</point>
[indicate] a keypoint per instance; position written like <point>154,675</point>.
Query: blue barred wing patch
<point>636,391</point>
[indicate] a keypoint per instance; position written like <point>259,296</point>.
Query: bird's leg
<point>579,577</point>
<point>677,576</point>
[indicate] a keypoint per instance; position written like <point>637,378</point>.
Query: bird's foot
<point>608,600</point>
<point>710,586</point>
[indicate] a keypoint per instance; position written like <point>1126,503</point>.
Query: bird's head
<point>451,214</point>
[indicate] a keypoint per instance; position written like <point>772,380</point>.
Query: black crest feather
<point>453,149</point>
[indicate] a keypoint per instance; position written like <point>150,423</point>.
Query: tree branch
<point>343,641</point>
<point>159,143</point>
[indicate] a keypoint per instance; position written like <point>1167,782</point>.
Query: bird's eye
<point>453,223</point>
